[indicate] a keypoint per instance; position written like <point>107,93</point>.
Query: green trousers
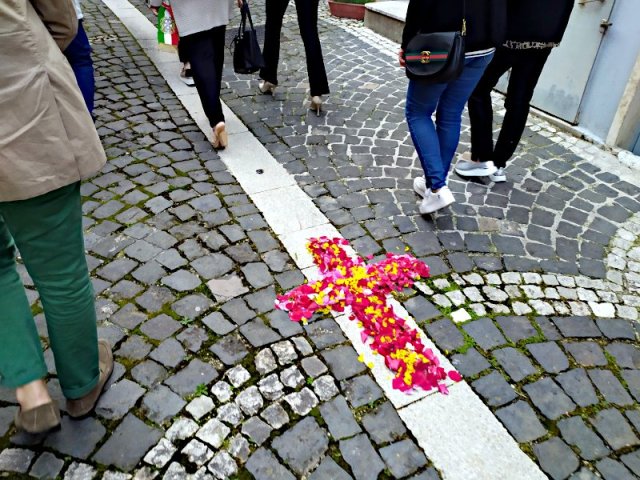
<point>47,230</point>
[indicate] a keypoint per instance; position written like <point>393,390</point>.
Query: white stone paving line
<point>462,420</point>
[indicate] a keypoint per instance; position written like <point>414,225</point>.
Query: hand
<point>401,60</point>
<point>154,10</point>
<point>239,3</point>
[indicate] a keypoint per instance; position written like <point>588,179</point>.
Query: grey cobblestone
<point>176,209</point>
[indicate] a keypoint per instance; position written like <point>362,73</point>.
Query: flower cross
<point>347,282</point>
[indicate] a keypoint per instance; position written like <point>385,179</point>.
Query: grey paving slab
<point>129,442</point>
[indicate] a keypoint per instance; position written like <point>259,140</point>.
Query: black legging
<point>526,66</point>
<point>308,23</point>
<point>205,52</point>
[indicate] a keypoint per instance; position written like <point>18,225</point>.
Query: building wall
<point>617,56</point>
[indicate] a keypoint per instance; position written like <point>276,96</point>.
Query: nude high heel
<point>267,87</point>
<point>316,104</point>
<point>220,138</point>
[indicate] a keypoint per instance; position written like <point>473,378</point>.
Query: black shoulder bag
<point>247,57</point>
<point>437,57</point>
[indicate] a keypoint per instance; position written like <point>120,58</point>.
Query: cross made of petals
<point>348,284</point>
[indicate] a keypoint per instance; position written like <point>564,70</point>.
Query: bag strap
<point>464,18</point>
<point>247,12</point>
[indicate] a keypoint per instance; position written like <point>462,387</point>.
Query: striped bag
<point>167,30</point>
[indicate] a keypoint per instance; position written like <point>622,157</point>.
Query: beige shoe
<point>316,104</point>
<point>41,419</point>
<point>267,87</point>
<point>85,405</point>
<point>220,138</point>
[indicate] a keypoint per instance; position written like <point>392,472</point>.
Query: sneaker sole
<point>436,209</point>
<point>476,172</point>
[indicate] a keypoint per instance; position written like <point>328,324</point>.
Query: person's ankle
<point>32,395</point>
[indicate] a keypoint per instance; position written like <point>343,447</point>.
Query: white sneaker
<point>435,201</point>
<point>468,168</point>
<point>498,176</point>
<point>420,186</point>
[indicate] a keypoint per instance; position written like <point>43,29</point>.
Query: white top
<point>193,16</point>
<point>480,53</point>
<point>76,4</point>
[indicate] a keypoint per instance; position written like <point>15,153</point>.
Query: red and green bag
<point>167,30</point>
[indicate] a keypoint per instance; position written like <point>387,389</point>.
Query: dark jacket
<point>486,20</point>
<point>538,20</point>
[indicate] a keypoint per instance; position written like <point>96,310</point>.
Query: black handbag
<point>247,57</point>
<point>436,57</point>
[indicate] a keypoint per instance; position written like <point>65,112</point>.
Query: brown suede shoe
<point>41,419</point>
<point>85,405</point>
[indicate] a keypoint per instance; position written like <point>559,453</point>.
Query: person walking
<point>78,54</point>
<point>534,28</point>
<point>201,27</point>
<point>48,143</point>
<point>436,143</point>
<point>307,11</point>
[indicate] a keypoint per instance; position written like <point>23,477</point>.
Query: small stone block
<point>403,458</point>
<point>556,458</point>
<point>521,421</point>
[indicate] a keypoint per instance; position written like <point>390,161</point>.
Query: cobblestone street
<point>534,295</point>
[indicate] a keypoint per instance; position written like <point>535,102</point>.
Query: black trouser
<point>205,52</point>
<point>526,66</point>
<point>182,52</point>
<point>308,24</point>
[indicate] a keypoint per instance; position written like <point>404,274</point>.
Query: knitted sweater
<point>538,20</point>
<point>486,20</point>
<point>193,16</point>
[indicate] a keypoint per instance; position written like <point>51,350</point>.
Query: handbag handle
<point>243,22</point>
<point>246,13</point>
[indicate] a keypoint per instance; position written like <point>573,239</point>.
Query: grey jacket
<point>193,16</point>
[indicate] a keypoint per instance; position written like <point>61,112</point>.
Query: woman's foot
<point>220,138</point>
<point>499,175</point>
<point>267,87</point>
<point>420,186</point>
<point>316,104</point>
<point>38,413</point>
<point>33,395</point>
<point>465,167</point>
<point>435,200</point>
<point>82,406</point>
<point>185,74</point>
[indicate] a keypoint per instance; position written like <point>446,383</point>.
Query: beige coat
<point>47,137</point>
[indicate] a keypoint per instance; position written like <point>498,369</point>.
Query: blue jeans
<point>437,143</point>
<point>78,54</point>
